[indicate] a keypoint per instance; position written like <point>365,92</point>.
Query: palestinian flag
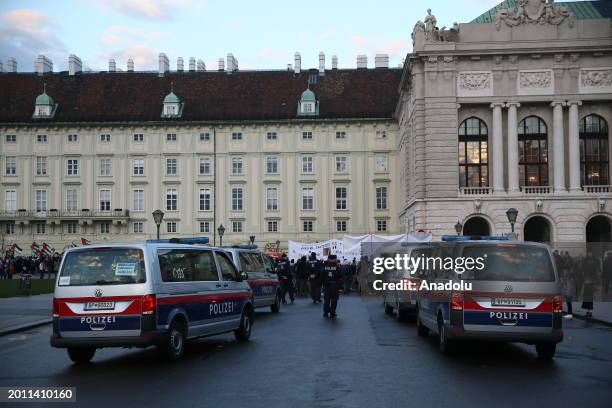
<point>35,249</point>
<point>84,241</point>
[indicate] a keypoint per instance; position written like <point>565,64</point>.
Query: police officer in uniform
<point>331,277</point>
<point>313,267</point>
<point>286,278</point>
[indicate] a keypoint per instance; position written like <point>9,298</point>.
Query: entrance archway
<point>599,229</point>
<point>537,229</point>
<point>477,226</point>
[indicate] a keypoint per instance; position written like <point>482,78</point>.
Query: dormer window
<point>308,104</point>
<point>44,106</point>
<point>173,107</point>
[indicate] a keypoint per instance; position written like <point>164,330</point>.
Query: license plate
<point>99,306</point>
<point>508,302</point>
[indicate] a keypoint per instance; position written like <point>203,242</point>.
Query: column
<point>497,148</point>
<point>558,146</point>
<point>574,146</point>
<point>513,168</point>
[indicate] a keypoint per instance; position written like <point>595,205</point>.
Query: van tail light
<point>148,304</point>
<point>55,307</point>
<point>557,304</point>
<point>457,300</point>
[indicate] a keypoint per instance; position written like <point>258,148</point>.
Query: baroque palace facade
<point>511,110</point>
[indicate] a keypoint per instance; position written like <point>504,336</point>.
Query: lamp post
<point>221,231</point>
<point>252,239</point>
<point>458,228</point>
<point>277,245</point>
<point>158,216</point>
<point>512,214</point>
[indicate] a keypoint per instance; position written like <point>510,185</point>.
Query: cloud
<point>122,43</point>
<point>25,33</point>
<point>144,56</point>
<point>147,9</point>
<point>115,35</point>
<point>395,48</point>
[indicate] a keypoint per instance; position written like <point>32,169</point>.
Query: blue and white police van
<point>142,294</point>
<point>515,297</point>
<point>262,275</point>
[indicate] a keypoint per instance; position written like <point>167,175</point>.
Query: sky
<point>262,34</point>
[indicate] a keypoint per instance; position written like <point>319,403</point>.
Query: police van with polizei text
<point>514,297</point>
<point>262,276</point>
<point>143,294</point>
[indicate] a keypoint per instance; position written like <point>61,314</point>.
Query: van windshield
<point>103,266</point>
<point>512,263</point>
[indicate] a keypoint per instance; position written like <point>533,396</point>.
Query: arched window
<point>533,152</point>
<point>594,161</point>
<point>473,154</point>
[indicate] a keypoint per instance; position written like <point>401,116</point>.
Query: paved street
<point>299,359</point>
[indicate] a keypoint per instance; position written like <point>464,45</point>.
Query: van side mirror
<point>242,276</point>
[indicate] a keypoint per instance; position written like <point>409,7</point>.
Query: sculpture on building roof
<point>431,32</point>
<point>533,12</point>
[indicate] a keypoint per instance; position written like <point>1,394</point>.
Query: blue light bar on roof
<point>461,238</point>
<point>188,241</point>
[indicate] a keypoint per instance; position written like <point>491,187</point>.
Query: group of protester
<point>11,266</point>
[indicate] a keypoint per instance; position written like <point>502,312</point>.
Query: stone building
<point>511,110</point>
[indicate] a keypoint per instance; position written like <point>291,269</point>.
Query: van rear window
<point>103,266</point>
<point>511,263</point>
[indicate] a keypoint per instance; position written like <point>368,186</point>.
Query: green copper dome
<point>308,96</point>
<point>172,98</point>
<point>44,99</point>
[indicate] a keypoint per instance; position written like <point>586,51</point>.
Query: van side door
<point>233,293</point>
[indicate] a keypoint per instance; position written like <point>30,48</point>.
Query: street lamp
<point>158,216</point>
<point>511,214</point>
<point>252,239</point>
<point>221,231</point>
<point>458,228</point>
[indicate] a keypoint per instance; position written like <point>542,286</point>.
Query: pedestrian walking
<point>286,278</point>
<point>11,269</point>
<point>331,276</point>
<point>314,277</point>
<point>301,275</point>
<point>590,269</point>
<point>568,292</point>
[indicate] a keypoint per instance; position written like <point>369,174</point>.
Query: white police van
<point>152,293</point>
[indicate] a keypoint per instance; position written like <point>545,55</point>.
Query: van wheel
<point>446,346</point>
<point>401,315</point>
<point>81,355</point>
<point>422,330</point>
<point>175,346</point>
<point>243,333</point>
<point>546,351</point>
<point>275,307</point>
<point>388,309</point>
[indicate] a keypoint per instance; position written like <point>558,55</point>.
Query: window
<point>11,139</point>
<point>473,154</point>
<point>170,109</point>
<point>171,226</point>
<point>307,135</point>
<point>381,134</point>
<point>237,165</point>
<point>72,138</point>
<point>41,165</point>
<point>340,135</point>
<point>72,199</point>
<point>104,227</point>
<point>205,199</point>
<point>138,137</point>
<point>237,198</point>
<point>228,270</point>
<point>41,200</point>
<point>307,107</point>
<point>186,265</point>
<point>381,225</point>
<point>105,200</point>
<point>72,167</point>
<point>205,167</point>
<point>341,198</point>
<point>105,137</point>
<point>271,136</point>
<point>381,198</point>
<point>382,163</point>
<point>204,136</point>
<point>272,198</point>
<point>594,160</point>
<point>138,227</point>
<point>138,167</point>
<point>307,164</point>
<point>312,78</point>
<point>204,227</point>
<point>307,198</point>
<point>139,199</point>
<point>10,169</point>
<point>533,152</point>
<point>41,228</point>
<point>171,137</point>
<point>10,200</point>
<point>271,164</point>
<point>105,167</point>
<point>307,226</point>
<point>272,226</point>
<point>236,226</point>
<point>341,225</point>
<point>9,228</point>
<point>236,136</point>
<point>341,164</point>
<point>71,228</point>
<point>172,199</point>
<point>41,138</point>
<point>171,165</point>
